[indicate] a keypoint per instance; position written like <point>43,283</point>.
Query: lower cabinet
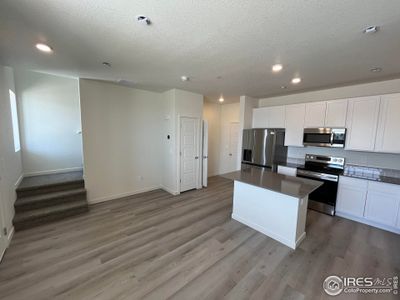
<point>382,203</point>
<point>374,203</point>
<point>351,197</point>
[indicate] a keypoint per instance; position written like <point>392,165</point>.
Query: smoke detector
<point>185,78</point>
<point>371,29</point>
<point>143,20</point>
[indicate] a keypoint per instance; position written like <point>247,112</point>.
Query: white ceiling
<point>319,40</point>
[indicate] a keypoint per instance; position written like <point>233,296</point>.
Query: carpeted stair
<point>48,198</point>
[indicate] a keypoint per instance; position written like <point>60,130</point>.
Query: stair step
<point>35,217</point>
<point>50,199</point>
<point>50,188</point>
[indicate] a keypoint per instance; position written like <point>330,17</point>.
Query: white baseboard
<point>368,222</point>
<point>168,190</point>
<point>48,172</point>
<point>10,235</point>
<point>9,238</point>
<point>19,180</point>
<point>122,195</point>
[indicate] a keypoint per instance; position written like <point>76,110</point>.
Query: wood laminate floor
<point>157,246</point>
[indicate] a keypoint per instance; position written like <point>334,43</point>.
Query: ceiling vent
<point>143,20</point>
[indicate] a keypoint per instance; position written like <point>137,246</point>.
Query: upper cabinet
<point>326,114</point>
<point>315,114</point>
<point>277,117</point>
<point>336,112</point>
<point>260,117</point>
<point>388,134</point>
<point>294,124</point>
<point>269,117</point>
<point>361,123</point>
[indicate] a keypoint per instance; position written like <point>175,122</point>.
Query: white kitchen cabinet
<point>287,171</point>
<point>276,117</point>
<point>362,122</point>
<point>294,124</point>
<point>382,204</point>
<point>260,117</point>
<point>351,198</point>
<point>336,112</point>
<point>315,114</point>
<point>388,134</point>
<point>269,117</point>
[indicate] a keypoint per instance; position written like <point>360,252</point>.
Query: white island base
<point>274,214</point>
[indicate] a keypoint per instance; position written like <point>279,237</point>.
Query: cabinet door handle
<point>196,157</point>
<point>230,154</point>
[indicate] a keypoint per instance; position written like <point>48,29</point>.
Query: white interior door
<point>233,145</point>
<point>205,153</point>
<point>189,154</point>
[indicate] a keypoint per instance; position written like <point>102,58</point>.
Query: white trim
<point>8,241</point>
<point>2,254</point>
<point>122,195</point>
<point>168,190</point>
<point>368,222</point>
<point>19,180</point>
<point>273,235</point>
<point>30,174</point>
<point>10,235</point>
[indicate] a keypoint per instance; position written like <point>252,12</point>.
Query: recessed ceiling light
<point>44,48</point>
<point>296,80</point>
<point>277,68</point>
<point>106,64</point>
<point>376,70</point>
<point>185,78</point>
<point>371,29</point>
<point>221,99</point>
<point>143,20</point>
<point>283,87</point>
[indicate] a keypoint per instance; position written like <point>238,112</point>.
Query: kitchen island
<point>271,203</point>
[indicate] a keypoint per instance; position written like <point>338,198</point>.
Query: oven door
<point>322,199</point>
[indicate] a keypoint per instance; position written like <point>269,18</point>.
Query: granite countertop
<point>372,173</point>
<point>265,178</point>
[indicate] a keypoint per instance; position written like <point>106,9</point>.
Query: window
<point>14,119</point>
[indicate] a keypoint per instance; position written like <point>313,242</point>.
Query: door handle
<point>205,157</point>
<point>230,154</point>
<point>196,157</point>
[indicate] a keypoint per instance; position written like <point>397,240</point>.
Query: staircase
<point>47,198</point>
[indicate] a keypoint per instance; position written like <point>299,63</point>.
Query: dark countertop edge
<point>291,165</point>
<point>383,179</point>
<point>316,184</point>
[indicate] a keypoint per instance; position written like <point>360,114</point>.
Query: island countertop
<point>265,178</point>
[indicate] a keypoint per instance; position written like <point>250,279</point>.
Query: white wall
<point>219,117</point>
<point>122,132</point>
<point>212,113</point>
<point>10,161</point>
<point>366,89</point>
<point>49,120</point>
<point>382,160</point>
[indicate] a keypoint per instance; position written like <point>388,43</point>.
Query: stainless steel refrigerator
<point>264,147</point>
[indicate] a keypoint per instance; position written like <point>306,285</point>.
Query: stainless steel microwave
<point>324,137</point>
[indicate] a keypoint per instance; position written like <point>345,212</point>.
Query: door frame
<point>198,152</point>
